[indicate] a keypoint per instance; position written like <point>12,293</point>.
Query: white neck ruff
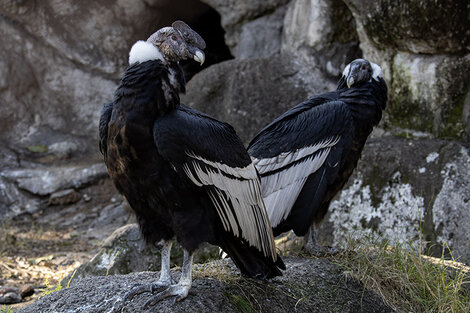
<point>143,51</point>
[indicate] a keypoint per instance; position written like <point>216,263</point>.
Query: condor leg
<point>181,289</point>
<point>163,282</point>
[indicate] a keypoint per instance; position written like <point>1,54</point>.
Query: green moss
<point>394,23</point>
<point>38,148</point>
<point>452,120</point>
<point>403,111</point>
<point>240,303</point>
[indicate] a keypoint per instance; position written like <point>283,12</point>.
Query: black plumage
<point>186,175</point>
<point>307,154</point>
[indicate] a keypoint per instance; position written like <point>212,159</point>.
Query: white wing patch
<point>281,188</point>
<point>237,198</point>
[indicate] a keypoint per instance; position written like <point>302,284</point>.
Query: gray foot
<point>178,291</point>
<point>152,288</point>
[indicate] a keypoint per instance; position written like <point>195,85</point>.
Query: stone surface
<point>321,31</point>
<point>10,295</point>
<point>425,62</point>
<point>125,251</point>
<point>235,13</point>
<point>44,181</point>
<point>308,285</point>
<point>390,196</point>
<point>66,196</point>
<point>428,27</point>
<point>429,92</point>
<point>261,37</point>
<point>61,60</point>
<point>248,94</point>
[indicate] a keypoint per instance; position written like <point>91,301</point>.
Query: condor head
<point>360,71</point>
<point>179,42</point>
<point>169,44</point>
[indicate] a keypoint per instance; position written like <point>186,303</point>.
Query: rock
<point>260,37</point>
<point>26,291</point>
<point>124,251</point>
<point>404,189</point>
<point>248,94</point>
<point>10,295</point>
<point>110,217</point>
<point>321,31</point>
<point>425,27</point>
<point>308,285</point>
<point>234,14</point>
<point>425,62</point>
<point>62,60</point>
<point>44,181</point>
<point>429,92</point>
<point>66,196</point>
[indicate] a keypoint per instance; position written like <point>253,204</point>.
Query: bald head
<point>170,44</point>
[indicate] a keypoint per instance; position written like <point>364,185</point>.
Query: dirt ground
<point>39,257</point>
<point>40,250</point>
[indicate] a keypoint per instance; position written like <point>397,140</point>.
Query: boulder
<point>44,181</point>
<point>415,26</point>
<point>22,188</point>
<point>321,31</point>
<point>406,190</point>
<point>61,61</point>
<point>125,251</point>
<point>423,49</point>
<point>248,94</point>
<point>428,93</point>
<point>260,37</point>
<point>234,14</point>
<point>308,285</point>
<point>67,196</point>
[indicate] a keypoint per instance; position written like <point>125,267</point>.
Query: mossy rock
<point>417,26</point>
<point>428,93</point>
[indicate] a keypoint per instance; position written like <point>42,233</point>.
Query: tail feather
<point>251,262</point>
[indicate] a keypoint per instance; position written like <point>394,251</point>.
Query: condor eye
<point>173,37</point>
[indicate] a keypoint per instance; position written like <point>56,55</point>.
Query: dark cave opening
<point>205,21</point>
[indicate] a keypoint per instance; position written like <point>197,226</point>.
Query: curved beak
<point>199,56</point>
<point>350,80</point>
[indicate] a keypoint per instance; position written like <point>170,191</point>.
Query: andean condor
<point>306,155</point>
<point>186,175</point>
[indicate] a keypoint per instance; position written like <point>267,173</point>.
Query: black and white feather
<point>306,155</point>
<point>216,161</point>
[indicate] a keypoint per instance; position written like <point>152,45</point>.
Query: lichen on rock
<point>396,218</point>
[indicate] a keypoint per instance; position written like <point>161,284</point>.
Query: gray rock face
<point>48,180</point>
<point>236,13</point>
<point>62,197</point>
<point>248,94</point>
<point>322,32</point>
<point>21,188</point>
<point>260,37</point>
<point>423,49</point>
<point>390,196</point>
<point>428,93</point>
<point>125,251</point>
<point>308,285</point>
<point>60,62</point>
<point>428,27</point>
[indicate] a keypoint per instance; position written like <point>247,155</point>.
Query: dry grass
<point>406,279</point>
<point>32,255</point>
